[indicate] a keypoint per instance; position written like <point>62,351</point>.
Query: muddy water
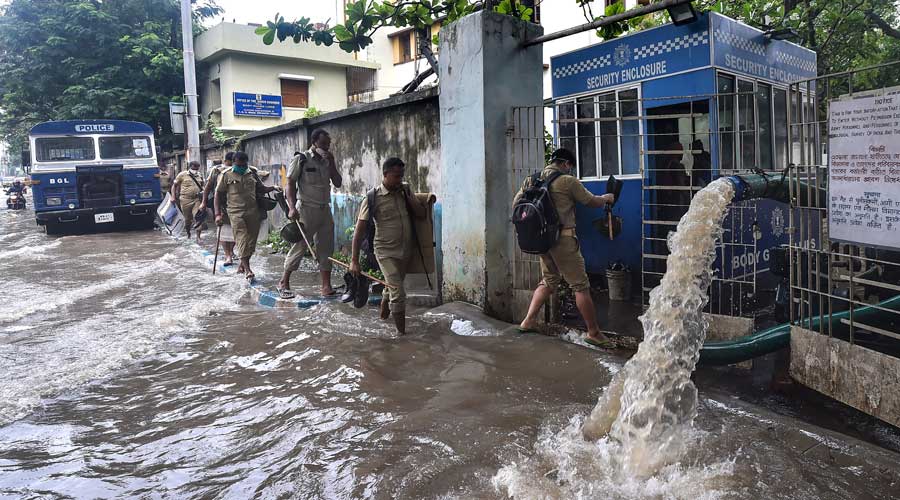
<point>129,371</point>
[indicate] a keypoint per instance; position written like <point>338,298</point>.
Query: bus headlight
<point>53,202</point>
<point>146,194</point>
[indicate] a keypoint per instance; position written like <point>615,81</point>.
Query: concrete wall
<point>862,378</point>
<point>362,138</point>
<point>484,73</point>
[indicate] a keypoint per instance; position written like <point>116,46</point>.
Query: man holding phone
<point>310,177</point>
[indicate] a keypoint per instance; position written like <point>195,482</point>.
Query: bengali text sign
<point>864,171</point>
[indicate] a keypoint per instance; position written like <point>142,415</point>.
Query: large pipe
<point>776,187</point>
<point>727,352</point>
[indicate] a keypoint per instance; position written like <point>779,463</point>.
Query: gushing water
<point>651,403</point>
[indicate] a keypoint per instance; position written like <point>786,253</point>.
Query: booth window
<point>631,131</point>
<point>726,121</point>
<point>567,136</point>
<point>295,93</point>
<point>606,137</point>
<point>608,127</point>
<point>747,124</point>
<point>587,138</point>
<point>764,116</point>
<point>779,100</point>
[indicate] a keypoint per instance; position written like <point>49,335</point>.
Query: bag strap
<point>195,181</point>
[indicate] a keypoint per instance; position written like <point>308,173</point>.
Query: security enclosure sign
<point>864,170</point>
<point>259,105</point>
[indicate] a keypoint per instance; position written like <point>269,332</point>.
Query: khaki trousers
<point>318,224</point>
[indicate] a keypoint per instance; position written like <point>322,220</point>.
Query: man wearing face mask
<point>187,189</point>
<point>564,260</point>
<point>394,242</point>
<point>310,177</point>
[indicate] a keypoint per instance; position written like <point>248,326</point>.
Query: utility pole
<point>192,129</point>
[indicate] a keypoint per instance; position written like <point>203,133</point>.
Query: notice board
<point>261,105</point>
<point>864,170</point>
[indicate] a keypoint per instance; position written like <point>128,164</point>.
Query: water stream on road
<point>129,370</point>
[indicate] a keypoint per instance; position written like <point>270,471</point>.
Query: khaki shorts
<point>394,271</point>
<point>246,230</point>
<point>318,225</point>
<point>564,262</point>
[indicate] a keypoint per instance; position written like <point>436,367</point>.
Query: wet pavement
<point>130,371</point>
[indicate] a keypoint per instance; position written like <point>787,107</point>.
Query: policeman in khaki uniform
<point>187,190</point>
<point>395,246</point>
<point>564,261</point>
<point>240,188</point>
<point>226,235</point>
<point>310,176</point>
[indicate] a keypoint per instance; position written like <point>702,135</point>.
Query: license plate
<point>101,218</point>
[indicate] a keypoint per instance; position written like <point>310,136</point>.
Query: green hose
<point>727,352</point>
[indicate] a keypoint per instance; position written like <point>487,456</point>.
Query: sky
<point>260,11</point>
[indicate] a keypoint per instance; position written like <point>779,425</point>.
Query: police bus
<point>91,175</point>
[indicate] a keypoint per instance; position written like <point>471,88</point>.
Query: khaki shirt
<point>393,229</point>
<point>190,190</point>
<point>313,179</point>
<point>565,191</point>
<point>240,192</point>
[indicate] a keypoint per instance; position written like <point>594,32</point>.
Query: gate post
<point>484,72</point>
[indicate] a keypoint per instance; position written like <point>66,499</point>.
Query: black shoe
<point>362,292</point>
<point>350,294</point>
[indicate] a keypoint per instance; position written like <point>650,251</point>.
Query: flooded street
<point>129,370</point>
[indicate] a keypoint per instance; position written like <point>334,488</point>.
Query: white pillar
<point>484,73</point>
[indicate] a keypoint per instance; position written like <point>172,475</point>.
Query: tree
<point>74,59</point>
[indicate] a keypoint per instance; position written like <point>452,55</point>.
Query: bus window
<point>747,122</point>
<point>764,114</point>
<point>64,148</point>
<point>125,147</point>
<point>781,138</point>
<point>726,122</point>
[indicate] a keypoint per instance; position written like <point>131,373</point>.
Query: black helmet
<point>291,233</point>
<point>563,154</point>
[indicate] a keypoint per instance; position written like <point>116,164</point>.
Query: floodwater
<point>129,370</point>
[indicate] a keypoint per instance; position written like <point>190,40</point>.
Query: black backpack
<point>535,217</point>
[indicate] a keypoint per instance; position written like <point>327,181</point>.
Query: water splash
<point>650,405</point>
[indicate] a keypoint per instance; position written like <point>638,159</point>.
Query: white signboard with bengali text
<point>864,170</point>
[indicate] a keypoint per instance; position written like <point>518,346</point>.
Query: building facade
<point>245,85</point>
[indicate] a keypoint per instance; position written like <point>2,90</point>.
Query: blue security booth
<point>669,109</point>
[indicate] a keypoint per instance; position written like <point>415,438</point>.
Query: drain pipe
<point>776,187</point>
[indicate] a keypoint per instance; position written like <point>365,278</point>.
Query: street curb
<point>268,298</point>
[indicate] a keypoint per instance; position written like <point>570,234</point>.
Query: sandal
<point>602,344</point>
<point>527,330</point>
<point>250,277</point>
<point>285,293</point>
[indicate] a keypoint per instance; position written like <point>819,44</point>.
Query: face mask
<point>239,170</point>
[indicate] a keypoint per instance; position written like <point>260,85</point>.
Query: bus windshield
<point>64,148</point>
<point>125,147</point>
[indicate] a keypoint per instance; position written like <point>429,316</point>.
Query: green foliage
<point>218,136</point>
<point>365,17</point>
<point>72,59</point>
<point>312,112</point>
<point>275,242</point>
<point>375,273</point>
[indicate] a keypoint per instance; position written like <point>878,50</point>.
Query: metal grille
<point>842,290</point>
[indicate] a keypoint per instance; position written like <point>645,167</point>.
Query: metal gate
<point>843,290</point>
